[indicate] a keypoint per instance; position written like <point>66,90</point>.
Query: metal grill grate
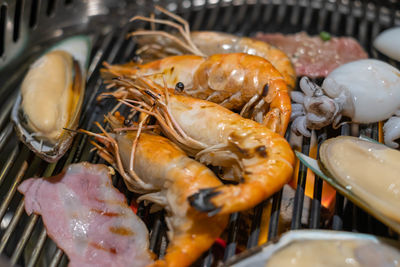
<point>23,238</point>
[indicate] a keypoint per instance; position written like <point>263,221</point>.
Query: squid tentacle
<point>297,111</point>
<point>299,126</point>
<point>313,109</point>
<point>391,131</point>
<point>297,97</point>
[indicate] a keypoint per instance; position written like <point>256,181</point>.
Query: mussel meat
<point>366,172</point>
<point>50,99</point>
<point>370,170</point>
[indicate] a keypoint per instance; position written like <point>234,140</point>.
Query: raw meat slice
<point>312,56</point>
<point>88,218</point>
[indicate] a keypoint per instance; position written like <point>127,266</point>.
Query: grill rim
<point>110,50</point>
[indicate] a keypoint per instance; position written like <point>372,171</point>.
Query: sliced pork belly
<point>312,56</point>
<point>88,218</point>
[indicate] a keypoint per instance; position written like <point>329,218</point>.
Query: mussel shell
<point>258,256</point>
<point>320,169</point>
<point>79,48</point>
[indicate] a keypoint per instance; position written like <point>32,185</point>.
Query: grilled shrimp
<point>248,152</point>
<point>207,43</point>
<point>234,81</point>
<point>217,42</point>
<point>153,165</point>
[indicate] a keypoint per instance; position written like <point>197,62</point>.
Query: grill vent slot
<point>34,13</point>
<point>3,14</point>
<point>51,4</point>
<point>17,19</point>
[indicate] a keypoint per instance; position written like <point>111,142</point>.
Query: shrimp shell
<point>169,177</point>
<point>231,80</point>
<point>207,43</point>
<point>218,42</point>
<point>261,160</point>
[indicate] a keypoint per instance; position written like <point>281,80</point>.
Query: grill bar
<point>24,238</point>
<point>11,192</point>
<point>316,206</point>
<point>8,165</point>
<point>12,226</point>
<point>255,226</point>
<point>299,196</point>
<point>5,135</point>
<point>208,259</point>
<point>38,248</point>
<point>232,237</point>
<point>5,112</point>
<point>155,236</point>
<point>274,219</point>
<point>56,258</point>
<point>30,224</point>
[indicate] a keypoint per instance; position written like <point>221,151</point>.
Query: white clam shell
<point>388,43</point>
<point>371,88</point>
<point>258,256</point>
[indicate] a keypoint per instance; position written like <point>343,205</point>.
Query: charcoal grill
<point>29,27</point>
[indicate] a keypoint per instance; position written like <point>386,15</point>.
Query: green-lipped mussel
<point>51,97</point>
<point>320,248</point>
<point>366,172</point>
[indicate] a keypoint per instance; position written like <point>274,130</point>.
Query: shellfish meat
<point>51,97</point>
<point>366,172</point>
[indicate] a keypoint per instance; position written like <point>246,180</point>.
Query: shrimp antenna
<point>132,180</point>
<point>183,30</point>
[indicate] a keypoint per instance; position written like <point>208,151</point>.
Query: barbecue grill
<point>27,28</point>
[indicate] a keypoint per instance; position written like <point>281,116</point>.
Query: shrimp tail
<point>201,201</point>
<point>241,196</point>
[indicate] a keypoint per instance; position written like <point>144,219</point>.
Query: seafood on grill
<point>320,248</point>
<point>365,91</point>
<point>315,56</point>
<point>388,43</point>
<point>88,218</point>
<point>235,81</point>
<point>206,43</point>
<point>154,166</point>
<point>248,152</point>
<point>365,172</point>
<point>51,98</point>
